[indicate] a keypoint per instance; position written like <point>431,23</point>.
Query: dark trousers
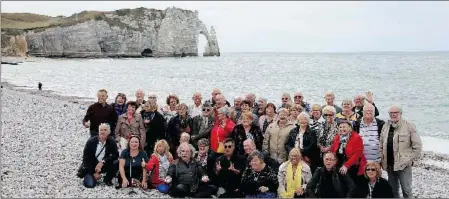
<point>231,194</point>
<point>109,168</point>
<point>204,191</point>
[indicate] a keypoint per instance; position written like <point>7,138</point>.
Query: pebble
<point>43,139</point>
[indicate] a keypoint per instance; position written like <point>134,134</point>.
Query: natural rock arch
<point>211,48</point>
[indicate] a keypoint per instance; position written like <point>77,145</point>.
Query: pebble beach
<point>43,139</point>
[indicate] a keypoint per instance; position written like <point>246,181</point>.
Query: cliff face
<point>123,33</point>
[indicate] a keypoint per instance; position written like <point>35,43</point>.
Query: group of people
<point>252,148</point>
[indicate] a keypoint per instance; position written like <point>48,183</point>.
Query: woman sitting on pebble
<point>158,165</point>
<point>293,176</point>
<point>132,165</point>
<point>373,185</point>
<point>259,180</point>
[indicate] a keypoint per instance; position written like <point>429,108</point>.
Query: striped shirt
<point>370,137</point>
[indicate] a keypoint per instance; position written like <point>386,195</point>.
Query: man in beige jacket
<point>400,146</point>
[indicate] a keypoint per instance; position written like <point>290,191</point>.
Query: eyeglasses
<point>328,115</point>
<point>206,109</point>
<point>228,146</point>
<point>370,169</point>
<point>151,97</point>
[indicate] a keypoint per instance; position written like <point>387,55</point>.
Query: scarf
<point>119,110</point>
<point>163,167</point>
<point>292,184</point>
<point>343,141</point>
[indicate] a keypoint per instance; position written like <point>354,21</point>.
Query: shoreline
<point>24,131</point>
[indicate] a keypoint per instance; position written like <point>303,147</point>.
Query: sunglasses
<point>298,96</point>
<point>151,97</point>
<point>370,169</point>
<point>284,98</point>
<point>206,109</point>
<point>228,146</point>
<point>328,115</point>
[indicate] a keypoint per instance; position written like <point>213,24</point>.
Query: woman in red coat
<point>348,146</point>
<point>222,129</point>
<point>159,162</point>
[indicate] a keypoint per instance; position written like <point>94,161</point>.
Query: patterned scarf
<point>328,133</point>
<point>119,110</point>
<point>343,141</point>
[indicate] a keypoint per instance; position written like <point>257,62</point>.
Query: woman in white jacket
<point>293,176</point>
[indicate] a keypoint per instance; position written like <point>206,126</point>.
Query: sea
<point>418,81</point>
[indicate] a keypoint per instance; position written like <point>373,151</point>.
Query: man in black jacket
<point>229,168</point>
<point>186,176</point>
<point>98,157</point>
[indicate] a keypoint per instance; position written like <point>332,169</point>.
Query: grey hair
<point>305,115</point>
<point>224,110</point>
<point>106,125</point>
<point>140,91</point>
<point>203,141</point>
<point>185,144</point>
<point>238,97</point>
<point>185,134</point>
<point>257,154</point>
<point>330,109</point>
<point>395,106</point>
<point>329,93</point>
<point>263,99</point>
<point>347,101</point>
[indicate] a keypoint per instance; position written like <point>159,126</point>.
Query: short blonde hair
<point>247,115</point>
<point>329,109</point>
<point>376,166</point>
<point>316,106</point>
<point>296,107</point>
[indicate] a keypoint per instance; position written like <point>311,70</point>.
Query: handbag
<point>220,148</point>
<point>82,170</point>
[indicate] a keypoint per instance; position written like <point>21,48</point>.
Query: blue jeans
<point>109,168</point>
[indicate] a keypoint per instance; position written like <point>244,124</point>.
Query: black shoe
<point>108,183</point>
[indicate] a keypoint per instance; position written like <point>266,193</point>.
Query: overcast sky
<point>295,26</point>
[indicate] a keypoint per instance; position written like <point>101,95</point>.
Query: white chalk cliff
<point>125,33</point>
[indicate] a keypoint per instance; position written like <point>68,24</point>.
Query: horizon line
<point>379,51</point>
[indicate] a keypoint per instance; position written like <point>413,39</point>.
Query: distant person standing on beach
<point>400,145</point>
<point>39,86</point>
<point>99,112</point>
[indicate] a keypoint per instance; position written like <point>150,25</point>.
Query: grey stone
<point>172,32</point>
